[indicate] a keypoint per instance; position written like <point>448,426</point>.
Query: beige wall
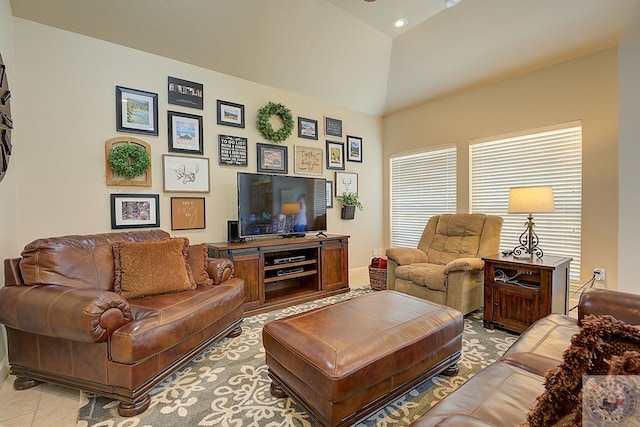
<point>66,110</point>
<point>584,89</point>
<point>8,234</point>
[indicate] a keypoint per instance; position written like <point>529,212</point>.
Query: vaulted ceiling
<point>346,51</point>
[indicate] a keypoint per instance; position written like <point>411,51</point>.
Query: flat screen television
<point>280,205</point>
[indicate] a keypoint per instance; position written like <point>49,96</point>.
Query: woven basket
<point>378,278</point>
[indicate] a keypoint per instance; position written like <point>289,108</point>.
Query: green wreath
<point>264,126</point>
<point>129,160</point>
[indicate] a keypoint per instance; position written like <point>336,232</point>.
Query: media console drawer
<point>282,272</point>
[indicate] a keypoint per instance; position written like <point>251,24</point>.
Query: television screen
<point>280,205</point>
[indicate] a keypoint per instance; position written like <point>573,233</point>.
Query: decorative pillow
<point>151,268</point>
<point>197,259</point>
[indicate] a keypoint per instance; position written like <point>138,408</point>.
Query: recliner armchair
<point>446,267</point>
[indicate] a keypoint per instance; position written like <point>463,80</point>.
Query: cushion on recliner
<point>423,274</point>
<point>456,236</point>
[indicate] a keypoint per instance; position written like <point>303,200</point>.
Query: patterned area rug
<point>227,385</point>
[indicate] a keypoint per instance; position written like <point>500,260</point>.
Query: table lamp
<point>529,200</point>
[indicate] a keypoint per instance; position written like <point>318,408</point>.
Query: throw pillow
<point>197,258</point>
<point>151,268</point>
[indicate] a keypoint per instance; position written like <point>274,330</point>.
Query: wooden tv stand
<point>280,272</point>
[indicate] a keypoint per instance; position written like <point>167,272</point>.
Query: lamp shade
<point>290,208</point>
<point>531,200</point>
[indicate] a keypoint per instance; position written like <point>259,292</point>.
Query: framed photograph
<point>185,133</point>
<point>307,128</point>
<point>135,210</point>
<point>272,158</point>
<point>187,213</point>
<point>230,114</point>
<point>354,148</point>
<point>332,127</point>
<point>329,193</point>
<point>308,160</point>
<point>346,182</point>
<point>335,155</point>
<point>136,111</point>
<point>185,173</point>
<point>186,93</point>
<point>232,150</point>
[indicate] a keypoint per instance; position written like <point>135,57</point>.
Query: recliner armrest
<point>404,256</point>
<point>220,269</point>
<point>621,305</point>
<point>85,315</point>
<point>464,264</point>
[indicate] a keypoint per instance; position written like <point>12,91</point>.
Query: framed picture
<point>135,210</point>
<point>136,111</point>
<point>354,148</point>
<point>185,133</point>
<point>230,114</point>
<point>329,193</point>
<point>232,150</point>
<point>335,155</point>
<point>308,160</point>
<point>272,158</point>
<point>187,213</point>
<point>346,182</point>
<point>185,93</point>
<point>307,128</point>
<point>332,127</point>
<point>185,173</point>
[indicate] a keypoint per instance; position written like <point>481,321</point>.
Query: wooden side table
<point>517,292</point>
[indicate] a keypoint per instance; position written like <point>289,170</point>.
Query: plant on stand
<point>349,203</point>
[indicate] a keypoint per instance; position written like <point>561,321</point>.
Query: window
<point>550,156</point>
<point>422,185</point>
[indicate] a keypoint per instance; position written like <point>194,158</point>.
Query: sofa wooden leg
<point>235,332</point>
<point>135,408</point>
<point>277,390</point>
<point>24,383</point>
<point>451,371</point>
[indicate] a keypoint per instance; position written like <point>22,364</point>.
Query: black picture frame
<point>185,93</point>
<point>307,128</point>
<point>272,158</point>
<point>332,126</point>
<point>185,132</point>
<point>140,112</point>
<point>335,155</point>
<point>232,150</point>
<point>230,113</point>
<point>354,149</point>
<point>135,211</point>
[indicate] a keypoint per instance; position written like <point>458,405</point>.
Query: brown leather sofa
<point>502,393</point>
<point>66,325</point>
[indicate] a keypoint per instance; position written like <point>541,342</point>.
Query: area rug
<point>227,385</point>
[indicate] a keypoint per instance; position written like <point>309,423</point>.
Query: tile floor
<point>50,405</point>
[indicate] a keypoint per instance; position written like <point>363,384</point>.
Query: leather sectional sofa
<point>91,312</point>
<point>502,393</point>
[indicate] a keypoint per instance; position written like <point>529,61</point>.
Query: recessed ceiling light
<point>400,22</point>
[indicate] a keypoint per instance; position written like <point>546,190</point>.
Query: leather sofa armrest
<point>464,264</point>
<point>621,305</point>
<point>220,269</point>
<point>85,315</point>
<point>404,256</point>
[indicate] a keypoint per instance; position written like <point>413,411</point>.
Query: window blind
<point>550,156</point>
<point>422,185</point>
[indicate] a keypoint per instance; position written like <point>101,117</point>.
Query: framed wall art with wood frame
<point>185,173</point>
<point>135,210</point>
<point>136,111</point>
<point>131,169</point>
<point>187,213</point>
<point>307,160</point>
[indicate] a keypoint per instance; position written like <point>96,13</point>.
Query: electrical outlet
<point>375,252</point>
<point>599,273</point>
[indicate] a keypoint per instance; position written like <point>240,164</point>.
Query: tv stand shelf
<point>282,272</point>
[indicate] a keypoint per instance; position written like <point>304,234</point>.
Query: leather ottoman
<point>344,361</point>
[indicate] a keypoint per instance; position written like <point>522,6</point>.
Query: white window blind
<point>422,185</point>
<point>550,156</point>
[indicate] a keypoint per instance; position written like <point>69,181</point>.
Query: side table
<point>519,291</point>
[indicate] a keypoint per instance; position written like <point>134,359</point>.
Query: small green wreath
<point>264,126</point>
<point>129,160</point>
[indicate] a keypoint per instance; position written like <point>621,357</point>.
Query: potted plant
<point>349,203</point>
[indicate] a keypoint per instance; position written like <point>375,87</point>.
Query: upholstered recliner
<point>446,267</point>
